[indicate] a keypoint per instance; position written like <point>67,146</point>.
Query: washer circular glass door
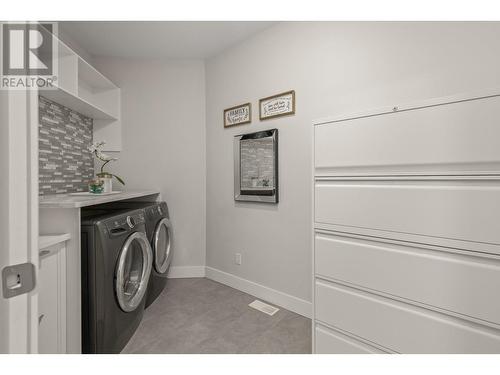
<point>133,271</point>
<point>162,245</point>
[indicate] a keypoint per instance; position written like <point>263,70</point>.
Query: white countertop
<point>51,240</point>
<point>78,201</point>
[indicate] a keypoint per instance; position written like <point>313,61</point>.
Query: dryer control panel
<point>157,211</point>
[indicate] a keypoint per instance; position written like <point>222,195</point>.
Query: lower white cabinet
<point>463,283</point>
<point>401,327</point>
<point>52,295</point>
<point>435,209</point>
<point>332,341</point>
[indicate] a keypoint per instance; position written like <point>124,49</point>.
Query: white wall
<point>334,68</point>
<point>163,142</point>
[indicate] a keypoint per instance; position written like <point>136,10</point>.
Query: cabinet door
<point>466,211</point>
<point>331,342</point>
<point>454,138</point>
<point>398,326</point>
<point>464,284</point>
<point>51,305</point>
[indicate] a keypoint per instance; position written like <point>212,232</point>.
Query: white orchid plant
<point>96,149</point>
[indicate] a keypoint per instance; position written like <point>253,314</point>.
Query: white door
<point>18,219</point>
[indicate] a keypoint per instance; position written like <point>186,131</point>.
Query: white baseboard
<point>276,297</point>
<point>181,272</point>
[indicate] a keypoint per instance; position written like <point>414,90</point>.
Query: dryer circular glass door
<point>162,245</point>
<point>132,271</point>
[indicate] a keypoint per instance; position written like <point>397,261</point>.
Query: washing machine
<point>116,263</point>
<point>160,235</point>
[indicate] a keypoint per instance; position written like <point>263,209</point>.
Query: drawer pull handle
<point>44,252</point>
<point>40,318</point>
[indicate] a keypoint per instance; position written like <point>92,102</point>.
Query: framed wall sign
<point>256,167</point>
<point>238,115</point>
<point>277,105</point>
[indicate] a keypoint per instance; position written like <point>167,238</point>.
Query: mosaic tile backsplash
<point>65,163</point>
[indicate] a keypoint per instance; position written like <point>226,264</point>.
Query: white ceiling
<point>159,40</point>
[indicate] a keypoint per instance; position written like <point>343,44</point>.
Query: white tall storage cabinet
<point>407,229</point>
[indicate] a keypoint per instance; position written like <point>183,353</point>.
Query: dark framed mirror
<point>256,167</point>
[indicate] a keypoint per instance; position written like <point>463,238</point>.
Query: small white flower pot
<point>108,182</point>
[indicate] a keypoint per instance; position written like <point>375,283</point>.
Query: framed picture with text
<point>238,115</point>
<point>277,105</point>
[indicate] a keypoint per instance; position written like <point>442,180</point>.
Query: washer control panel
<point>130,221</point>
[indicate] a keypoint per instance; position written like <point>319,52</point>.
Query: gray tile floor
<point>203,316</point>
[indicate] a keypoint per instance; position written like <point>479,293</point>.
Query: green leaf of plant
<point>119,180</point>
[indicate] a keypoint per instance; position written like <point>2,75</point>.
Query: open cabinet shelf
<point>97,90</point>
<point>84,89</point>
<point>76,103</point>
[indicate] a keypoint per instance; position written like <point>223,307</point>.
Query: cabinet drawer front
<point>331,342</point>
<point>466,211</point>
<point>457,138</point>
<point>400,327</point>
<point>464,284</point>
